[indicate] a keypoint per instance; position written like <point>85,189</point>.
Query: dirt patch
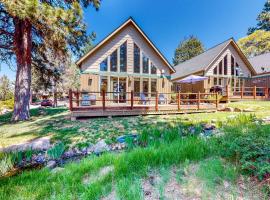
<point>88,179</point>
<point>149,186</point>
<point>173,190</point>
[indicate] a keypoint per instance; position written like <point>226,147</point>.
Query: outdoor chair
<point>162,99</point>
<point>143,99</point>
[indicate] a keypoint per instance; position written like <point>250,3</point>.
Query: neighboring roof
<point>129,21</point>
<point>204,60</point>
<point>261,63</point>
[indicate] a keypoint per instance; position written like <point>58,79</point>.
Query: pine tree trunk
<point>22,48</point>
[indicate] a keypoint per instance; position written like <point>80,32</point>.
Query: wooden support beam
<point>156,100</point>
<point>266,92</point>
<point>242,92</point>
<point>216,100</point>
<point>70,100</point>
<point>77,98</point>
<point>254,92</point>
<point>132,99</point>
<point>179,101</point>
<point>198,100</point>
<point>103,100</point>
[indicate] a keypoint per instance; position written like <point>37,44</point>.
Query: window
<point>220,81</point>
<point>153,69</point>
<point>215,70</point>
<point>237,69</point>
<point>145,86</point>
<point>104,65</point>
<point>220,67</point>
<point>123,57</point>
<point>103,83</point>
<point>89,82</point>
<point>145,64</point>
<point>232,65</point>
<point>153,87</point>
<point>215,81</point>
<point>225,65</point>
<point>137,65</point>
<point>137,87</point>
<point>114,61</point>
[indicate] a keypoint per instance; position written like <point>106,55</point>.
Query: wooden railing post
<point>254,92</point>
<point>228,92</point>
<point>77,98</point>
<point>266,92</point>
<point>216,100</point>
<point>156,100</point>
<point>103,99</point>
<point>179,100</point>
<point>132,99</point>
<point>198,100</point>
<point>70,100</point>
<point>242,92</point>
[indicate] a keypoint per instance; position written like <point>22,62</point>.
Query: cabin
<point>126,60</point>
<point>226,67</point>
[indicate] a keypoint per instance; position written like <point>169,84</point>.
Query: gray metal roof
<point>261,63</point>
<point>199,62</point>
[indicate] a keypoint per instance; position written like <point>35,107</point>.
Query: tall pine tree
<point>34,32</point>
<point>263,19</point>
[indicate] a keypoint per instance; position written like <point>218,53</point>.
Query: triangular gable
<point>116,31</point>
<point>203,62</point>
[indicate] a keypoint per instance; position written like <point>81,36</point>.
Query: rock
<point>226,184</point>
<point>69,154</point>
<point>40,144</point>
<point>40,158</point>
<point>209,127</point>
<point>237,110</point>
<point>213,121</point>
<point>51,164</point>
<point>122,139</point>
<point>192,129</point>
<point>228,109</point>
<point>101,147</point>
<point>57,170</point>
<point>248,110</point>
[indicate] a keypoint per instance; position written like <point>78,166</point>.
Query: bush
<point>247,142</point>
<point>8,104</point>
<point>6,163</point>
<point>56,151</point>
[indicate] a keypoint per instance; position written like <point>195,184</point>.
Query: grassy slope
<point>54,122</point>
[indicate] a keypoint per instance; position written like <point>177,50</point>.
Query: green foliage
<point>255,44</point>
<point>8,104</point>
<point>247,142</point>
<point>6,91</point>
<point>6,163</point>
<point>263,19</point>
<point>187,49</point>
<point>56,151</point>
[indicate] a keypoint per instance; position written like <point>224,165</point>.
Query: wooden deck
<point>171,103</point>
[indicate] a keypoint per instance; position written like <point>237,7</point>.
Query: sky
<point>168,22</point>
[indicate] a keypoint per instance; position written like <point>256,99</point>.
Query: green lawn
<point>55,123</point>
<point>161,165</point>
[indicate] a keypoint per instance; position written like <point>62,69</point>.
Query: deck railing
<point>81,100</point>
<point>248,92</point>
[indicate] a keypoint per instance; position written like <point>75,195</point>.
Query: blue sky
<point>168,22</point>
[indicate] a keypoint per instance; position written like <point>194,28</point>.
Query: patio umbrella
<point>192,79</point>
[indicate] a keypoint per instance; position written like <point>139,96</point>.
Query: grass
<point>200,166</point>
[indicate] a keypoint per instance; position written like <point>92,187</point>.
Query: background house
<point>224,64</point>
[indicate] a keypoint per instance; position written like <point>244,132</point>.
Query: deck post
<point>156,100</point>
<point>132,99</point>
<point>242,92</point>
<point>266,92</point>
<point>216,100</point>
<point>77,98</point>
<point>103,99</point>
<point>254,92</point>
<point>198,100</point>
<point>227,92</point>
<point>179,101</point>
<point>70,100</point>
